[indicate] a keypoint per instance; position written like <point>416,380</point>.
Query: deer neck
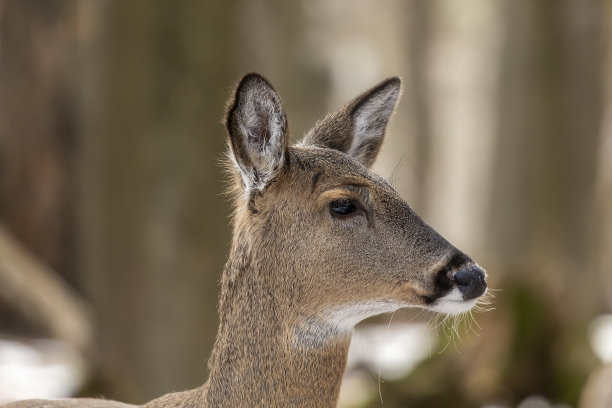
<point>259,358</point>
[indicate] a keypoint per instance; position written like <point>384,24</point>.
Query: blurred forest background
<point>114,229</point>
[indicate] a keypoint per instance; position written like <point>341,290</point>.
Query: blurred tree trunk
<point>419,37</point>
<point>37,127</point>
<point>273,40</point>
<point>542,213</point>
<point>153,223</point>
<point>604,178</point>
<point>550,111</point>
<point>462,118</point>
<point>597,393</point>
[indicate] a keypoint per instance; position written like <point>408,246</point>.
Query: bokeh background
<point>114,227</point>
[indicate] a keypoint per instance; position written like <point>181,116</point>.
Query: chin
<point>453,303</point>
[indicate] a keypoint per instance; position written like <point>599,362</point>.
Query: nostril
<point>444,280</point>
<point>470,281</point>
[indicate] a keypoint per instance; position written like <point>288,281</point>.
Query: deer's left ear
<point>358,129</point>
<point>257,129</point>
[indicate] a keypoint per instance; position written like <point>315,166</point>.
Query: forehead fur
<point>309,166</point>
<point>329,163</point>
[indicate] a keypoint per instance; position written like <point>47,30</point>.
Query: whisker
<point>457,338</point>
<point>474,322</point>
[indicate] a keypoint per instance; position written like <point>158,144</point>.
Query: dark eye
<point>343,207</point>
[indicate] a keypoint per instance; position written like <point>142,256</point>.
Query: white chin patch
<point>453,303</point>
<point>339,321</point>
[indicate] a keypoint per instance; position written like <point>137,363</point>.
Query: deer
<point>319,244</point>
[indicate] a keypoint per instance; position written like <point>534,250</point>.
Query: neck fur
<point>262,355</point>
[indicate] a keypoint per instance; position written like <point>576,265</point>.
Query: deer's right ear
<point>257,128</point>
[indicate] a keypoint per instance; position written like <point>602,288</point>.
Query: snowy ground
<point>39,369</point>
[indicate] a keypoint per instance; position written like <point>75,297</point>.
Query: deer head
<point>332,242</point>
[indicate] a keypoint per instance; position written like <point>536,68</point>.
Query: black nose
<point>470,282</point>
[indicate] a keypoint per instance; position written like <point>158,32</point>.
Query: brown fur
<point>296,272</point>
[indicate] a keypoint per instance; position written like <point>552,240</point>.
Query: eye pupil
<point>343,207</point>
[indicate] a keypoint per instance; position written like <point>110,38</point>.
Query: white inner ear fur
<point>370,119</point>
<point>262,127</point>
